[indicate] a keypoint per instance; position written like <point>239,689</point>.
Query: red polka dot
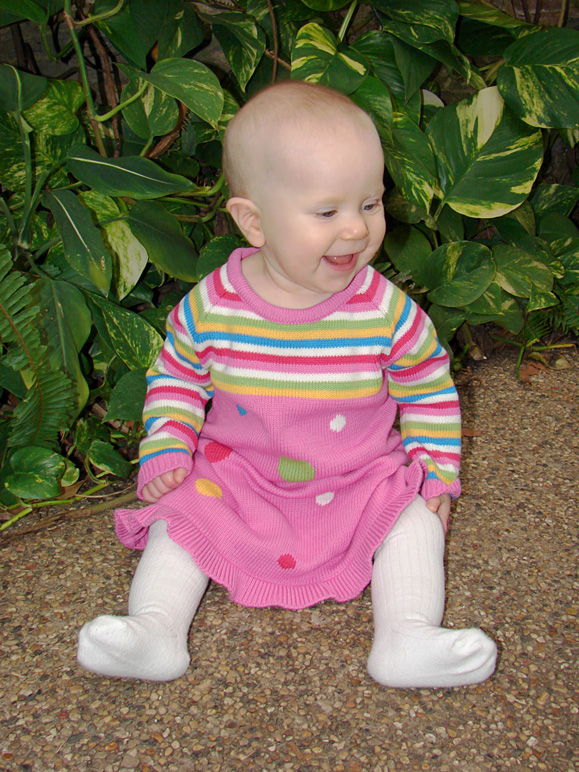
<point>287,561</point>
<point>214,452</point>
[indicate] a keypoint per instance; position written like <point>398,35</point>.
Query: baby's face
<point>321,212</point>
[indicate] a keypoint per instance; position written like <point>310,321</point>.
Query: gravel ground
<point>287,691</point>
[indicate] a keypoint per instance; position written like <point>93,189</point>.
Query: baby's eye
<point>371,205</point>
<point>327,213</point>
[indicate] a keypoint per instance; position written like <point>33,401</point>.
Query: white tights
<point>410,649</point>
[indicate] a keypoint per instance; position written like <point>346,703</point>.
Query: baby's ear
<point>246,215</point>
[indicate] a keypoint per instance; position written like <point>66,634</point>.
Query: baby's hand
<point>441,506</point>
<point>163,484</point>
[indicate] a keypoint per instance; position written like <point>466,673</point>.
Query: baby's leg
<point>150,643</point>
<point>410,648</point>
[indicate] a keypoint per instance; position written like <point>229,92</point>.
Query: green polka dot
<point>293,470</point>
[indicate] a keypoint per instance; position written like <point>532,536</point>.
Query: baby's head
<point>282,123</point>
<point>304,166</point>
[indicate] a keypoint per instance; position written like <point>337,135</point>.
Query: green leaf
<point>557,198</point>
<point>83,246</point>
<point>153,114</point>
<point>11,380</point>
<point>553,226</point>
<point>37,474</point>
<point>129,255</point>
<point>19,90</point>
<point>242,41</point>
<point>446,320</point>
<point>55,113</point>
<point>540,78</point>
<point>64,327</point>
<point>188,81</point>
<point>28,486</point>
<point>155,228</point>
<point>37,11</point>
<point>422,21</point>
<point>128,397</point>
<point>317,58</point>
<point>182,31</point>
<point>373,97</point>
<point>519,273</point>
<point>450,225</point>
<point>487,160</point>
<point>457,273</point>
<point>496,305</point>
<point>48,152</point>
<point>410,161</point>
<point>133,339</point>
<point>131,176</point>
<point>131,32</point>
<point>407,248</point>
<point>215,253</point>
<point>106,458</point>
<point>325,6</point>
<point>403,210</point>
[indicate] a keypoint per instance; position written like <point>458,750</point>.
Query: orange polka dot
<point>208,488</point>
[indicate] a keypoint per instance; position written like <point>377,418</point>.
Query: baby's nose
<point>355,227</point>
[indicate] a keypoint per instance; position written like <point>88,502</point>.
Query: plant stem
<point>101,16</point>
<point>564,13</point>
<point>347,20</point>
<point>275,40</point>
<point>122,105</point>
<point>69,21</point>
<point>78,514</point>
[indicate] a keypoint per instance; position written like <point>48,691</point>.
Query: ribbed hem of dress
<point>132,526</point>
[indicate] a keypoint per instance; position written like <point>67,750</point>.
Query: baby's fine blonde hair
<point>295,106</point>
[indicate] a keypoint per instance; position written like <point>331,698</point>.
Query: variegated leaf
<point>519,273</point>
<point>55,113</point>
<point>540,78</point>
<point>411,163</point>
<point>373,97</point>
<point>458,273</point>
<point>317,58</point>
<point>154,114</point>
<point>487,159</point>
<point>190,82</point>
<point>242,41</point>
<point>421,21</point>
<point>129,255</point>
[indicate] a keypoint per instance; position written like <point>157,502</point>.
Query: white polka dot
<point>324,498</point>
<point>338,423</point>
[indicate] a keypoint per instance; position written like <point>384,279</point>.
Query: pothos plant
<point>112,196</point>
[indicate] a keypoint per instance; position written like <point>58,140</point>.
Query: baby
<point>295,488</point>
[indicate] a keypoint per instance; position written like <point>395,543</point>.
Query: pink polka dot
<point>287,561</point>
<point>215,451</point>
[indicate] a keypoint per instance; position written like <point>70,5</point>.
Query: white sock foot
<point>150,643</point>
<point>432,657</point>
<point>410,649</point>
<point>131,647</point>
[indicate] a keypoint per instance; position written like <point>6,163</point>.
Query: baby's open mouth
<point>340,260</point>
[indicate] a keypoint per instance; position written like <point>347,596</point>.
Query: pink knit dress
<point>296,475</point>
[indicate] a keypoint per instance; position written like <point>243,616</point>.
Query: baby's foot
<point>131,647</point>
<point>432,657</point>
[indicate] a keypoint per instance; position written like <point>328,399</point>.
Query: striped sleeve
<point>419,381</point>
<point>178,389</point>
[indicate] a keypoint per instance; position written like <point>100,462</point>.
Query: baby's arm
<point>419,381</point>
<point>163,484</point>
<point>178,388</point>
